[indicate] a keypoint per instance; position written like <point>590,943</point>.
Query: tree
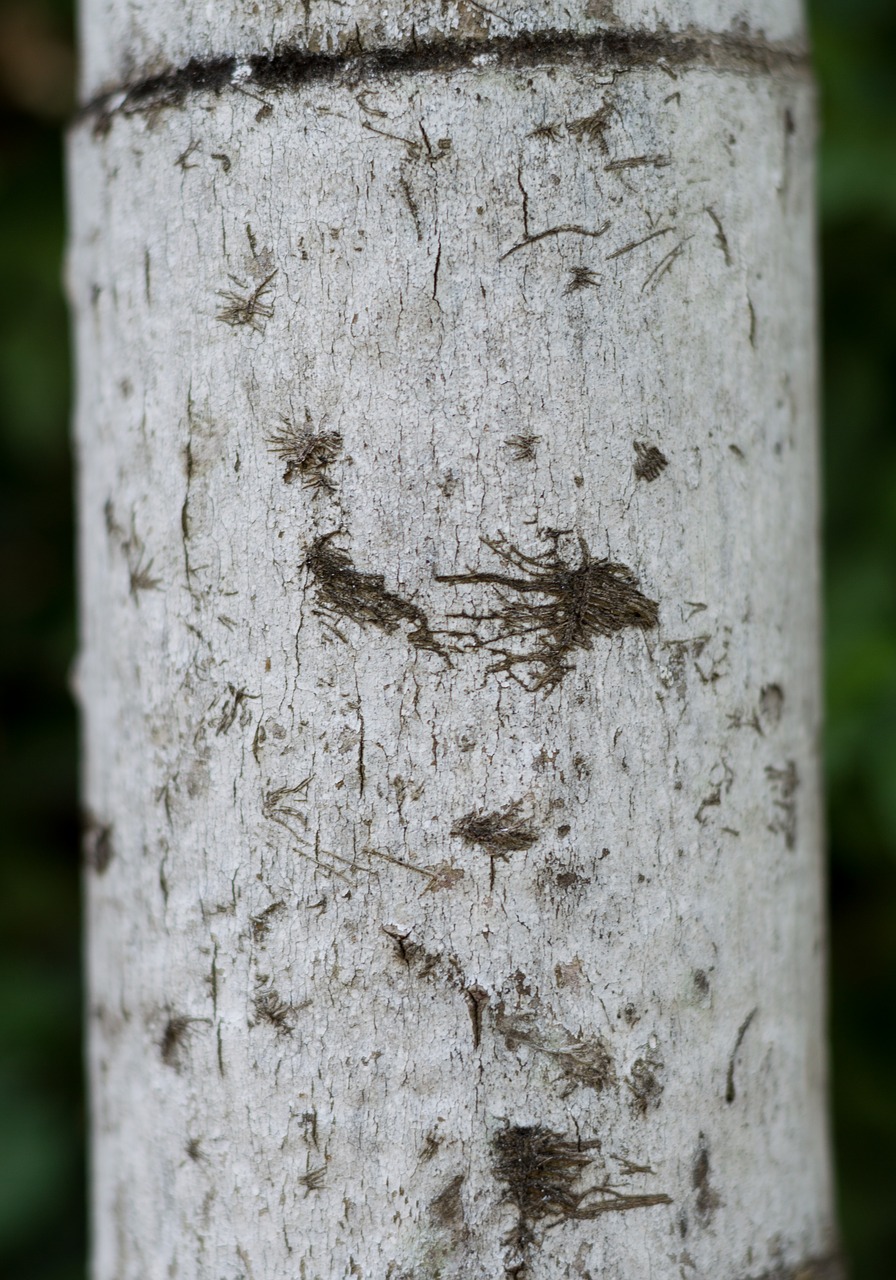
<point>447,484</point>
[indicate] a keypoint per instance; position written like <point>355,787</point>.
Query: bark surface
<point>447,458</point>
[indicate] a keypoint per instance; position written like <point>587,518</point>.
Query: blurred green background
<point>41,1110</point>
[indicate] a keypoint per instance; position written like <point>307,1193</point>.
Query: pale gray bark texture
<point>447,467</point>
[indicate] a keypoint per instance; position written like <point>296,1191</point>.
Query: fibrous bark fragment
<point>306,453</point>
<point>596,597</point>
<point>346,592</point>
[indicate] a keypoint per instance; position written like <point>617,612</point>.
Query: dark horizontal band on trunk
<point>290,67</point>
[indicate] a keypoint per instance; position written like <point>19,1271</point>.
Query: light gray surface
<point>673,888</point>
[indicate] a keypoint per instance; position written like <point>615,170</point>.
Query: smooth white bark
<point>334,1008</point>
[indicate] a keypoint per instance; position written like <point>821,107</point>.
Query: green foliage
<point>855,42</point>
<point>41,1201</point>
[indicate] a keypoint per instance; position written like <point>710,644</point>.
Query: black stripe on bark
<point>291,67</point>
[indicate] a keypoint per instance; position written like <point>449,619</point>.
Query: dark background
<point>41,1108</point>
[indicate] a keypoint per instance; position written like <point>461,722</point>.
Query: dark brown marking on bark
<point>645,1084</point>
<point>183,160</point>
<point>212,980</point>
<point>503,831</point>
<point>638,162</point>
<point>246,309</point>
<point>261,923</point>
<point>313,1178</point>
<point>425,963</point>
<point>570,880</point>
<point>730,1092</point>
<point>522,447</point>
<point>636,244</point>
<point>412,205</point>
<point>651,461</point>
<point>236,699</point>
<point>477,999</point>
<point>277,807</point>
<point>771,703</point>
<point>547,132</point>
<point>720,237</point>
<point>435,273</point>
<point>540,1169</point>
<point>306,453</point>
<point>140,576</point>
<point>784,783</point>
<point>566,228</point>
<point>593,128</point>
<point>346,592</point>
<point>270,1008</point>
<point>174,1038</point>
<point>707,1200</point>
<point>582,1060</point>
<point>447,1208</point>
<point>431,1144</point>
<point>499,834</point>
<point>97,846</point>
<point>525,195</point>
<point>581,278</point>
<point>291,67</point>
<point>595,597</point>
<point>664,265</point>
<point>413,147</point>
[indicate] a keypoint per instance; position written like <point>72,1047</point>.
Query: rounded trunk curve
<point>447,469</point>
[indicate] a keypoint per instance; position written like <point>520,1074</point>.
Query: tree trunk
<point>446,438</point>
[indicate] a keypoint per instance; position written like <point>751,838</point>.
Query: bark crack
<point>292,67</point>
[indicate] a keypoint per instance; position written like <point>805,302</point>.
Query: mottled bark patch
<point>771,703</point>
<point>581,1060</point>
<point>645,1081</point>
